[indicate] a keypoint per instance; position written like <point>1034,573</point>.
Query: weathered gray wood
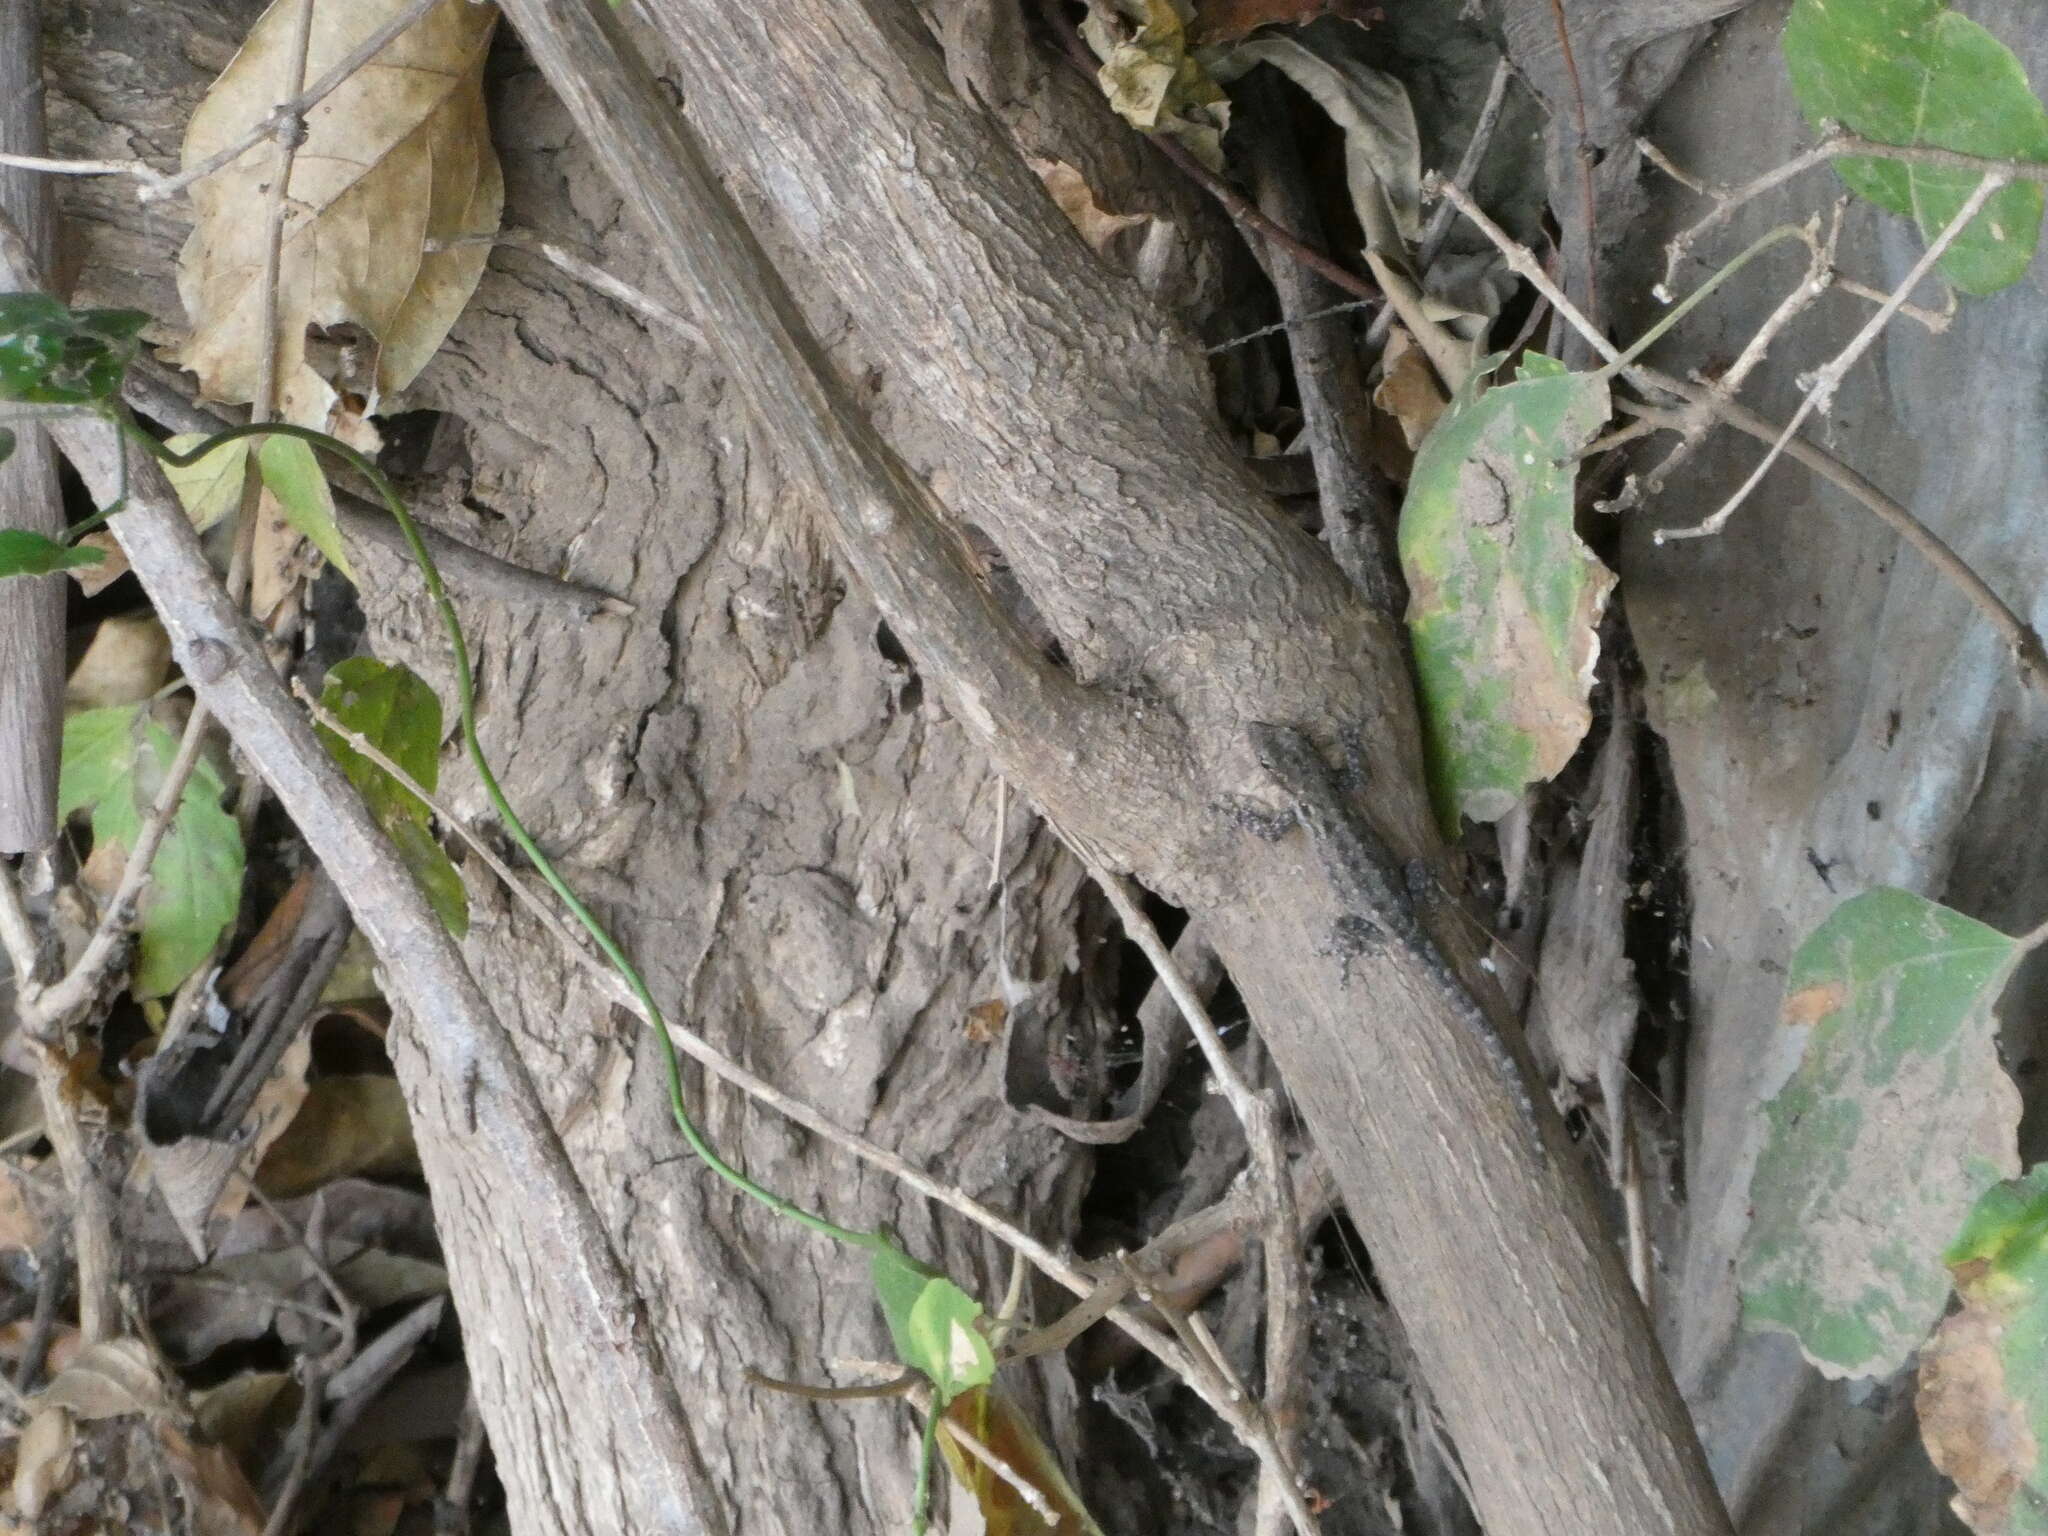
<point>1074,431</point>
<point>31,609</point>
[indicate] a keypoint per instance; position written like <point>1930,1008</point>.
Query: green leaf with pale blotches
<point>1983,1397</point>
<point>934,1324</point>
<point>1915,73</point>
<point>114,762</point>
<point>392,708</point>
<point>53,355</point>
<point>1896,1119</point>
<point>291,471</point>
<point>23,553</point>
<point>1504,600</point>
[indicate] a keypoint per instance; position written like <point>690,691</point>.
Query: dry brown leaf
<point>1408,390</point>
<point>43,1460</point>
<point>217,1497</point>
<point>94,579</point>
<point>1228,21</point>
<point>398,156</point>
<point>111,1378</point>
<point>346,1125</point>
<point>1974,1427</point>
<point>128,660</point>
<point>1076,199</point>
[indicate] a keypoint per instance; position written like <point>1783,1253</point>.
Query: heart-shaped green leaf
<point>391,708</point>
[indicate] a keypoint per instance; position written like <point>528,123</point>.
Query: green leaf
<point>292,471</point>
<point>51,355</point>
<point>1983,1394</point>
<point>1913,72</point>
<point>933,1323</point>
<point>1895,1121</point>
<point>392,709</point>
<point>211,488</point>
<point>30,554</point>
<point>114,762</point>
<point>439,879</point>
<point>7,444</point>
<point>1504,600</point>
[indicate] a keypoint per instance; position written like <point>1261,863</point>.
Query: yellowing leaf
<point>210,489</point>
<point>398,156</point>
<point>1155,84</point>
<point>993,1420</point>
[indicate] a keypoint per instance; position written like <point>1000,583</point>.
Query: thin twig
<point>639,301</point>
<point>1279,1497</point>
<point>451,1512</point>
<point>55,1007</point>
<point>1820,393</point>
<point>2029,654</point>
<point>1835,143</point>
<point>281,118</point>
<point>276,208</point>
<point>49,166</point>
<point>1235,203</point>
<point>18,933</point>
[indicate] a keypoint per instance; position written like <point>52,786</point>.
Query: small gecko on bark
<point>1378,892</point>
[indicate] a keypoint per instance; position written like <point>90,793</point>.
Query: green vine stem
<point>466,707</point>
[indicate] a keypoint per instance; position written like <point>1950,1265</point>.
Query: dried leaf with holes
<point>396,157</point>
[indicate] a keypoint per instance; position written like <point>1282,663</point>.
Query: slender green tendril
<point>514,827</point>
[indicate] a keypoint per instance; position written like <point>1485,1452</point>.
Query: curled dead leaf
<point>397,157</point>
<point>1974,1426</point>
<point>1076,199</point>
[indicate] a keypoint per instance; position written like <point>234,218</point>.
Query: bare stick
<point>264,406</point>
<point>1819,274</point>
<point>282,120</point>
<point>1835,143</point>
<point>18,934</point>
<point>31,609</point>
<point>1279,1499</point>
<point>2029,655</point>
<point>640,302</point>
<point>57,1007</point>
<point>1820,394</point>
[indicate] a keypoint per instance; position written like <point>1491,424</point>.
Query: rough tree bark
<point>781,819</point>
<point>31,612</point>
<point>1074,434</point>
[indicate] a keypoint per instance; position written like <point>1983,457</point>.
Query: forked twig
<point>2029,655</point>
<point>1820,394</point>
<point>1835,143</point>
